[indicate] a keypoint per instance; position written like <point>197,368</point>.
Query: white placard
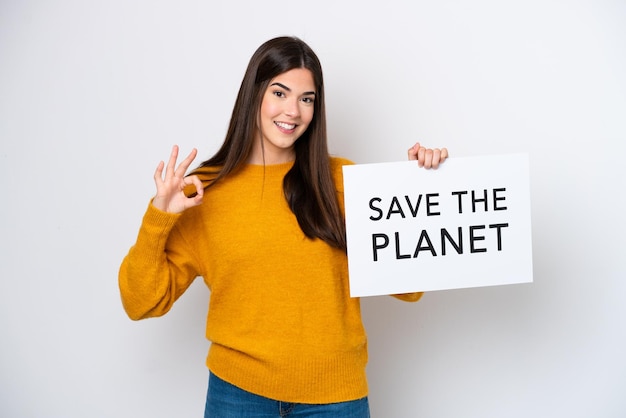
<point>466,224</point>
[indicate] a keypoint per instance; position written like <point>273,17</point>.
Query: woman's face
<point>286,112</point>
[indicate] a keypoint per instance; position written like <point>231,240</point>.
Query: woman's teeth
<point>287,126</point>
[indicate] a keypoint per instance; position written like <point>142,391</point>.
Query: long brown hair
<point>308,186</point>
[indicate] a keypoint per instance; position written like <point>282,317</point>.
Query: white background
<point>94,93</point>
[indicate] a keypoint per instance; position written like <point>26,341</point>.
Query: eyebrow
<point>281,85</point>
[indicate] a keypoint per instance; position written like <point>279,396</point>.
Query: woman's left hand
<point>427,157</point>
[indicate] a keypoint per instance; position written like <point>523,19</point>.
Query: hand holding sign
<point>426,157</point>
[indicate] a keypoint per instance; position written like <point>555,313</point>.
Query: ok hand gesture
<point>170,196</point>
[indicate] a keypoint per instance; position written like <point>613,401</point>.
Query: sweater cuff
<point>155,227</point>
<point>409,297</point>
<point>157,217</point>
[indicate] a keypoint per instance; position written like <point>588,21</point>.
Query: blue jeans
<point>225,400</point>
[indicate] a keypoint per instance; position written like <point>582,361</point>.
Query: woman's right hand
<point>170,196</point>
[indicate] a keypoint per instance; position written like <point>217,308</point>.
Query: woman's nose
<point>292,108</point>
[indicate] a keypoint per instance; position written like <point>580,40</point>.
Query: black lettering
<point>395,203</point>
<point>496,198</point>
<point>459,194</point>
<point>478,200</point>
<point>417,205</point>
<point>498,227</point>
<point>429,204</point>
<point>374,208</point>
<point>474,238</point>
<point>458,246</point>
<point>429,246</point>
<point>398,255</point>
<point>376,246</point>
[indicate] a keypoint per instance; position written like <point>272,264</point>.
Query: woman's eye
<point>279,94</point>
<point>307,99</point>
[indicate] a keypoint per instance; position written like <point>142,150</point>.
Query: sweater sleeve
<point>157,269</point>
<point>409,297</point>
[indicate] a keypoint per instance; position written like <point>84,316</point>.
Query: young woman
<point>262,222</point>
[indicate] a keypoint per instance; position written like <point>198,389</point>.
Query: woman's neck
<point>260,156</point>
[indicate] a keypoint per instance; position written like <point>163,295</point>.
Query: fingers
<point>175,192</point>
<point>427,157</point>
<point>194,189</point>
<point>439,156</point>
<point>412,152</point>
<point>435,155</point>
<point>184,165</point>
<point>172,170</point>
<point>171,164</point>
<point>158,173</point>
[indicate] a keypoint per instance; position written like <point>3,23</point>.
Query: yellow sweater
<point>281,321</point>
